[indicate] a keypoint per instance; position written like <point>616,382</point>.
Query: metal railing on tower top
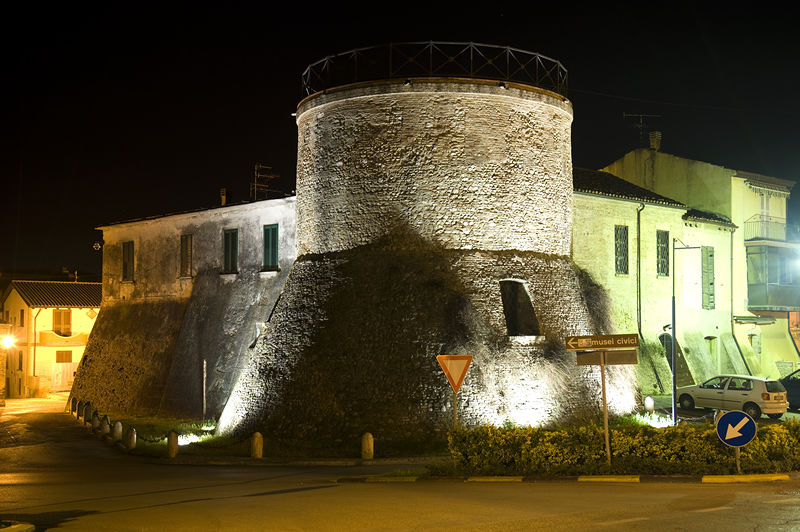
<point>435,59</point>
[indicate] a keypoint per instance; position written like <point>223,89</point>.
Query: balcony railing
<point>760,227</point>
<point>435,59</point>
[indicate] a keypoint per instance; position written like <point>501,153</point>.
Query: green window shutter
<point>708,277</point>
<point>270,261</point>
<point>230,251</point>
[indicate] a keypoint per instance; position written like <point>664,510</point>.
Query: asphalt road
<point>55,474</point>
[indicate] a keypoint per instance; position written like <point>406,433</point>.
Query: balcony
<point>760,227</point>
<point>53,339</point>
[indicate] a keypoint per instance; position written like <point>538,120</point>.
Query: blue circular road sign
<point>735,428</point>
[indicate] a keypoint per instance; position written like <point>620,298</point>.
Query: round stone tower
<point>468,164</point>
<point>434,216</point>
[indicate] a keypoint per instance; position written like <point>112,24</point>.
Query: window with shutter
<point>708,277</point>
<point>270,261</point>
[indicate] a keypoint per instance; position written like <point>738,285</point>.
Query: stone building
<point>184,298</point>
<point>434,215</point>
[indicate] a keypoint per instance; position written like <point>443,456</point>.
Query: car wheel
<point>775,416</point>
<point>686,402</point>
<point>752,410</point>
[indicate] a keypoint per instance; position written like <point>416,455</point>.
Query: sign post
<point>736,429</point>
<point>601,350</point>
<point>455,369</point>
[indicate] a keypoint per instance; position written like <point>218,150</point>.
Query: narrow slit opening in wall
<point>518,309</point>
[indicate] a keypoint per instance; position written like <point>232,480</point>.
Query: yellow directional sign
<point>594,358</point>
<point>602,342</point>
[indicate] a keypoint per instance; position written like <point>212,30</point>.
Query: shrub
<point>635,449</point>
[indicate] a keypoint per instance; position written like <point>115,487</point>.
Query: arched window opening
<point>520,316</point>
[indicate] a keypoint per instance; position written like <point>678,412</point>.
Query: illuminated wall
<point>414,200</point>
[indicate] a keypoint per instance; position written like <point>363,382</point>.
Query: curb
<point>494,479</point>
<point>609,478</point>
<point>740,479</point>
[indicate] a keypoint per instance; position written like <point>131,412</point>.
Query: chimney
<point>223,196</point>
<point>655,140</point>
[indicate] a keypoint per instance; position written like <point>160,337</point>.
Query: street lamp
<point>8,341</point>
<point>674,332</point>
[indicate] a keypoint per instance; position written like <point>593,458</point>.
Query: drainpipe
<point>34,341</point>
<point>733,331</point>
<point>639,210</point>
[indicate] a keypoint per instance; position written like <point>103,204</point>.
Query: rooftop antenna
<point>260,185</point>
<point>641,125</point>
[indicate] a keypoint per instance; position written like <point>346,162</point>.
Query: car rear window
<point>775,386</point>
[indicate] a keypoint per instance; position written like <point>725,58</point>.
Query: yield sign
<point>455,368</point>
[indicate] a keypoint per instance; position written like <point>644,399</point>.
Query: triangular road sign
<point>455,368</point>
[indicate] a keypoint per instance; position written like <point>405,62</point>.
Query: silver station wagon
<point>753,395</point>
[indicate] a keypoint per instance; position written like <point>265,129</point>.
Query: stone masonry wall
<point>466,164</point>
<point>352,347</point>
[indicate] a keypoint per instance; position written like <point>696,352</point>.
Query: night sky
<point>118,112</point>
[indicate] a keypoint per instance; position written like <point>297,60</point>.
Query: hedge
<point>635,449</point>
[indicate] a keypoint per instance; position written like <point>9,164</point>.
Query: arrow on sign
<point>733,432</point>
<point>571,343</point>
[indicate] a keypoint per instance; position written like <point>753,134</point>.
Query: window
<point>230,251</point>
<point>740,384</point>
<point>717,383</point>
<point>518,309</point>
<point>127,261</point>
<point>662,253</point>
<point>62,322</point>
<point>270,247</point>
<point>186,256</point>
<point>22,317</point>
<point>63,357</point>
<point>621,249</point>
<point>708,277</point>
<point>19,356</point>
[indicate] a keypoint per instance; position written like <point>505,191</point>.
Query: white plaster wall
<point>468,165</point>
<point>157,248</point>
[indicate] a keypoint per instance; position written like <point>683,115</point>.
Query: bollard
<point>105,425</point>
<point>116,431</point>
<point>172,444</point>
<point>367,446</point>
<point>257,445</point>
<point>95,420</point>
<point>130,438</point>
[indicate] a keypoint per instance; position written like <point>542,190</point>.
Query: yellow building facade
<point>765,250</point>
<point>50,322</point>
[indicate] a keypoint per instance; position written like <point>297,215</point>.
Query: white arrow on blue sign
<point>735,428</point>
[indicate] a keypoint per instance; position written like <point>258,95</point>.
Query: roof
<point>58,294</point>
<point>706,216</point>
<point>605,184</point>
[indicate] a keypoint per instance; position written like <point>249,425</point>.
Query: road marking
<point>623,521</point>
<point>715,509</point>
<point>782,501</point>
